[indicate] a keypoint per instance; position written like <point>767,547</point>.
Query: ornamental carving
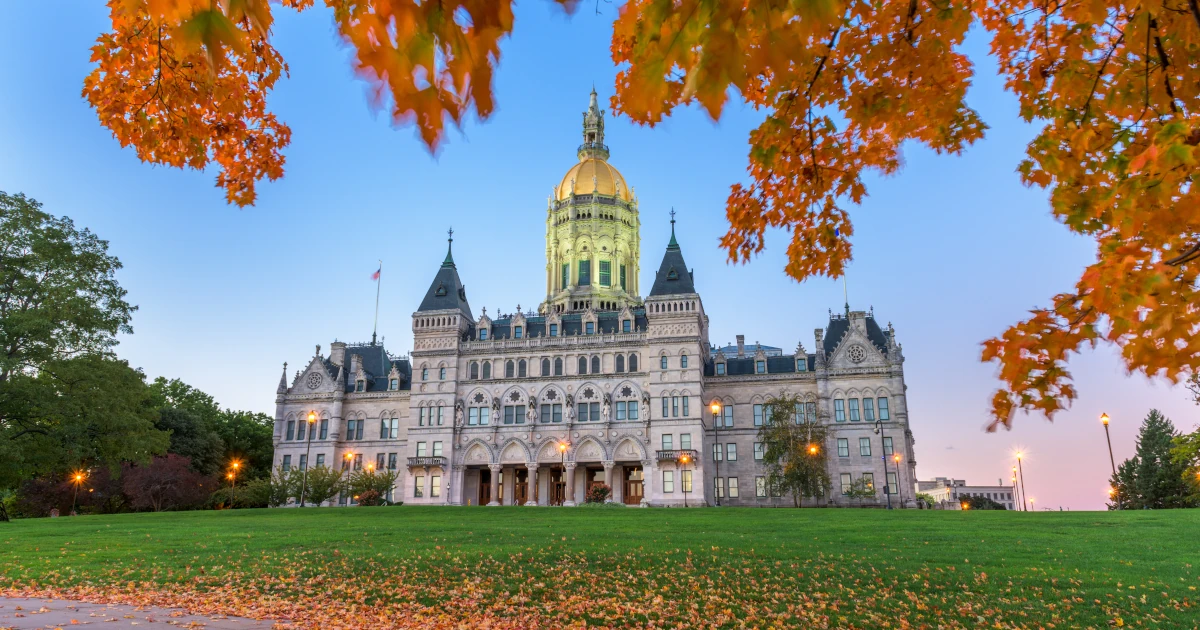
<point>315,379</point>
<point>856,353</point>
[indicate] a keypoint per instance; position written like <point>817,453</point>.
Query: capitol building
<point>603,383</point>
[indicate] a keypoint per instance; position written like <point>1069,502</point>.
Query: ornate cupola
<point>592,231</point>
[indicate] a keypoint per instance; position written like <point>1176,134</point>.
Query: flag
<point>375,276</point>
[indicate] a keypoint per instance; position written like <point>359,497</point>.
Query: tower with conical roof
<point>592,230</point>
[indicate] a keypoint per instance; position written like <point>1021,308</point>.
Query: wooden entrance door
<point>634,485</point>
<point>485,486</point>
<point>521,493</point>
<point>558,487</point>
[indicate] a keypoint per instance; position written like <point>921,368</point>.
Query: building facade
<point>949,494</point>
<point>597,385</point>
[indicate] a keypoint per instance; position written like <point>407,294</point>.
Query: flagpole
<point>378,283</point>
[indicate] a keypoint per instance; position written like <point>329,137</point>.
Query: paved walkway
<point>23,613</point>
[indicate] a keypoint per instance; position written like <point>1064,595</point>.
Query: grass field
<point>554,568</point>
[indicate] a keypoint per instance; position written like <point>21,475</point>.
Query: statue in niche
<point>646,407</point>
<point>606,408</point>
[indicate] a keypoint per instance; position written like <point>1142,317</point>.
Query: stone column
<point>458,481</point>
<point>569,479</point>
<point>530,500</point>
<point>495,468</point>
<point>649,473</point>
<point>608,478</point>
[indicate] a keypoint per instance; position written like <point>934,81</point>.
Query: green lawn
<point>556,567</point>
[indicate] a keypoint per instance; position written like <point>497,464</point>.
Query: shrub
<point>927,499</point>
<point>166,483</point>
<point>983,503</point>
<point>368,498</point>
<point>598,493</point>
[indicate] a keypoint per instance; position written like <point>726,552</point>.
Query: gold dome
<point>594,175</point>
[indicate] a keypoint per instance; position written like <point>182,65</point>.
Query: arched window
<point>663,362</point>
<point>633,363</point>
<point>508,369</point>
<point>474,371</point>
<point>558,367</point>
<point>620,363</point>
<point>487,370</point>
<point>683,360</point>
<point>583,365</point>
<point>521,369</point>
<point>595,365</point>
<point>545,367</point>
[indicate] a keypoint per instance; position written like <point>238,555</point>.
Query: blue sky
<point>951,250</point>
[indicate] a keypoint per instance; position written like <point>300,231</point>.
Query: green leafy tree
<point>194,437</point>
<point>324,483</point>
<point>860,490</point>
<point>378,481</point>
<point>247,437</point>
<point>927,499</point>
<point>64,401</point>
<point>1152,478</point>
<point>982,503</point>
<point>793,453</point>
<point>1185,452</point>
<point>273,490</point>
<point>75,413</point>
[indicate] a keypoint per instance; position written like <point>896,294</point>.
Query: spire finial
<point>673,244</point>
<point>449,262</point>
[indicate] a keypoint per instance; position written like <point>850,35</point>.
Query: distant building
<point>949,494</point>
<point>741,350</point>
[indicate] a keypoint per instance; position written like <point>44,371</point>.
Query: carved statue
<point>458,413</point>
<point>646,407</point>
<point>606,408</point>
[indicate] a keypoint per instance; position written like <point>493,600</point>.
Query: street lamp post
<point>1021,476</point>
<point>233,480</point>
<point>683,459</point>
<point>886,490</point>
<point>717,453</point>
<point>78,479</point>
<point>899,491</point>
<point>562,449</point>
<point>1111,461</point>
<point>1016,495</point>
<point>312,419</point>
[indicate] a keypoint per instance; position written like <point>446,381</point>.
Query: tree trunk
<point>3,513</point>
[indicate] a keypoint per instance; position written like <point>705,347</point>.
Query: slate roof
<point>839,326</point>
<point>672,277</point>
<point>376,364</point>
<point>785,364</point>
<point>607,322</point>
<point>446,291</point>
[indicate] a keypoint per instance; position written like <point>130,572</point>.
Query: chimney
<point>741,346</point>
<point>337,353</point>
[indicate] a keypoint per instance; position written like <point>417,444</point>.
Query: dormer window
<point>721,369</point>
<point>517,332</point>
<point>672,274</point>
<point>760,367</point>
<point>590,328</point>
<point>802,364</point>
<point>393,384</point>
<point>553,330</point>
<point>360,385</point>
<point>441,291</point>
<point>626,325</point>
<point>483,334</point>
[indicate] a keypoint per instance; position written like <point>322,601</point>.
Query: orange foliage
<point>844,83</point>
<point>185,81</point>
